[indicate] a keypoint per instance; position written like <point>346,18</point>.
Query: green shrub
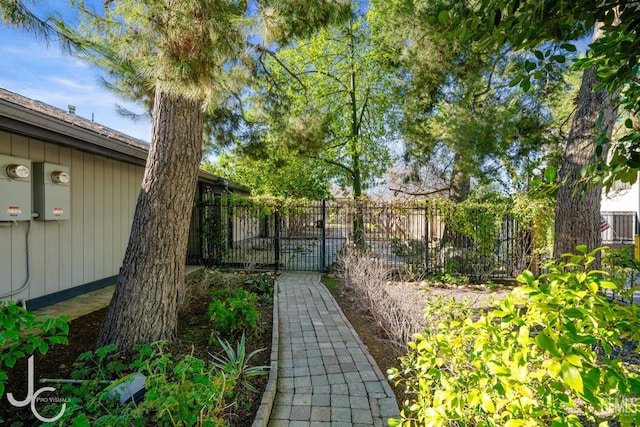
<point>622,257</point>
<point>22,333</point>
<point>412,249</point>
<point>622,263</point>
<point>232,316</point>
<point>263,285</point>
<point>184,392</point>
<point>545,355</point>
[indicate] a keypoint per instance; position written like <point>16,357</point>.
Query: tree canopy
<point>458,99</point>
<point>324,102</point>
<point>275,174</point>
<point>548,29</point>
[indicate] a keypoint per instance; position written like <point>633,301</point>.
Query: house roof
<point>35,119</point>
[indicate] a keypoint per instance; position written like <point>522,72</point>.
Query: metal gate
<point>291,237</point>
<point>242,233</point>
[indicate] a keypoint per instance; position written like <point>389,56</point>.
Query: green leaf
<point>550,174</point>
<point>571,376</point>
<point>574,313</point>
<point>487,404</point>
<point>9,360</point>
<point>538,54</point>
<point>628,123</point>
<point>8,322</point>
<point>608,285</point>
<point>574,360</point>
<point>58,340</point>
<point>527,277</point>
<point>529,66</point>
<point>592,286</point>
<point>546,342</point>
<point>443,17</point>
<point>535,183</point>
<point>515,81</point>
<point>80,421</point>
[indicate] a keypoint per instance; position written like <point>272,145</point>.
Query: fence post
<point>323,250</point>
<point>426,238</point>
<point>276,239</point>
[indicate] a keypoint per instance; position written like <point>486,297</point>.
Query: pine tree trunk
<point>577,220</point>
<point>144,307</point>
<point>460,181</point>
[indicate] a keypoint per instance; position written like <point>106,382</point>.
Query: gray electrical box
<point>51,191</point>
<point>15,188</point>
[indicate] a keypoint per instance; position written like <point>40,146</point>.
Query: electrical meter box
<point>15,189</point>
<point>51,191</point>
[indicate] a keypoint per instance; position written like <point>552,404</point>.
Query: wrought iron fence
<point>307,235</point>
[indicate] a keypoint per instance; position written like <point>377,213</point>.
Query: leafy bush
<point>22,333</point>
<point>263,285</point>
<point>412,249</point>
<point>547,354</point>
<point>184,392</point>
<point>236,314</point>
<point>622,263</point>
<point>620,258</point>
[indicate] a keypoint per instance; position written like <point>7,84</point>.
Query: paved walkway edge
<point>269,395</point>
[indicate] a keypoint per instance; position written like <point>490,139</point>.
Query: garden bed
<point>193,340</point>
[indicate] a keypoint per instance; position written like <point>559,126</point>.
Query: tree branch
<point>428,193</point>
<point>333,162</point>
<point>364,107</point>
<point>326,74</point>
<point>263,49</point>
<point>475,96</point>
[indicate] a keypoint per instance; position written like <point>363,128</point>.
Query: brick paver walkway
<point>326,376</point>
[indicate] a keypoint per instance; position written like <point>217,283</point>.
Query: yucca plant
<point>236,363</point>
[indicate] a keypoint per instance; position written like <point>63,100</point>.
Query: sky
<point>30,68</point>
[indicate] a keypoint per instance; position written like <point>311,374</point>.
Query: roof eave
<point>18,119</point>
